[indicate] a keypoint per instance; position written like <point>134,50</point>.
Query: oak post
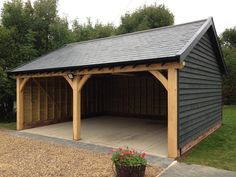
<point>77,84</point>
<point>76,109</point>
<point>19,104</point>
<point>172,113</point>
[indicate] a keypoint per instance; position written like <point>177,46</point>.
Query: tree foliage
<point>29,30</point>
<point>7,60</point>
<point>146,17</point>
<point>88,31</point>
<point>228,40</point>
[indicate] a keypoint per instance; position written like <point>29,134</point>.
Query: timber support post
<point>170,83</point>
<point>172,113</point>
<point>76,108</point>
<point>20,83</point>
<point>77,84</point>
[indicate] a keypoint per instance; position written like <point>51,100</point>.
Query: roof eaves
<point>71,68</point>
<point>194,40</point>
<point>12,70</point>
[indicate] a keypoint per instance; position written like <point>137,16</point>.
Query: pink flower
<point>142,155</point>
<point>111,151</point>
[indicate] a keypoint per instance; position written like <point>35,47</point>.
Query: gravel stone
<point>21,157</point>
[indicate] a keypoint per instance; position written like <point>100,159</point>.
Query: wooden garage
<point>172,75</point>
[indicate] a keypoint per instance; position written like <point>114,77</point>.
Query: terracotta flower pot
<point>130,171</point>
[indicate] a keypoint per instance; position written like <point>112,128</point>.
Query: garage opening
<point>138,95</point>
<point>117,110</point>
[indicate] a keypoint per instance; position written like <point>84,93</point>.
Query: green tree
<point>104,30</point>
<point>18,19</point>
<point>12,15</point>
<point>45,13</point>
<point>59,34</point>
<point>229,84</point>
<point>27,31</point>
<point>228,41</point>
<point>146,17</point>
<point>9,48</point>
<point>88,31</point>
<point>7,60</point>
<point>228,37</point>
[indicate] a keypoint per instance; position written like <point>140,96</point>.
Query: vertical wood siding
<point>200,92</point>
<point>135,95</point>
<point>49,100</point>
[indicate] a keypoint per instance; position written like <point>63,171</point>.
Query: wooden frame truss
<point>80,77</point>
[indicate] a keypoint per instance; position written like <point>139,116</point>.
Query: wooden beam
<point>82,81</point>
<point>76,109</point>
<point>69,81</point>
<point>77,84</point>
<point>172,113</point>
<point>60,100</point>
<point>130,68</point>
<point>53,100</point>
<point>19,105</point>
<point>160,77</point>
<point>48,74</point>
<point>23,82</point>
<point>66,100</point>
<point>31,104</point>
<point>46,99</point>
<point>38,101</point>
<point>109,70</point>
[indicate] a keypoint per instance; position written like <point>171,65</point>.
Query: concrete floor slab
<point>143,135</point>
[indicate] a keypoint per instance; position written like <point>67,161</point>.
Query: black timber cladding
<point>200,91</point>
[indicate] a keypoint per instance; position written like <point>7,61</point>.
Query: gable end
<point>200,91</point>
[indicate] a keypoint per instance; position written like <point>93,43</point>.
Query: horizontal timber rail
<point>109,70</point>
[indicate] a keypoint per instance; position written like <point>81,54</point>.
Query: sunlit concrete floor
<point>141,134</point>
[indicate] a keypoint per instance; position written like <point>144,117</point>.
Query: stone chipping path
<point>185,170</point>
<point>22,156</point>
<point>41,155</point>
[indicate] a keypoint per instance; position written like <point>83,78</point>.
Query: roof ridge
<point>196,37</point>
<point>134,33</point>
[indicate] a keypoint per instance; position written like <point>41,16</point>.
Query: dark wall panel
<point>138,95</point>
<point>47,100</point>
<point>200,92</point>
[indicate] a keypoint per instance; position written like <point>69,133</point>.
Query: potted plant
<point>129,162</point>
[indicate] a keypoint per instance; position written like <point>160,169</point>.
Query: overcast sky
<point>223,11</point>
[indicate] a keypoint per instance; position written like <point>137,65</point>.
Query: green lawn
<point>6,125</point>
<point>219,149</point>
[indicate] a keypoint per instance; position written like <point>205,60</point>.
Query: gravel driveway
<point>26,157</point>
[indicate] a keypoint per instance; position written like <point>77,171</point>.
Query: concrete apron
<point>140,134</point>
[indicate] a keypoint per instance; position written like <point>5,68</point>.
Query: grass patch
<point>8,125</point>
<point>219,149</point>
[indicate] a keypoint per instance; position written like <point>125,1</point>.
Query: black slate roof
<point>160,45</point>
